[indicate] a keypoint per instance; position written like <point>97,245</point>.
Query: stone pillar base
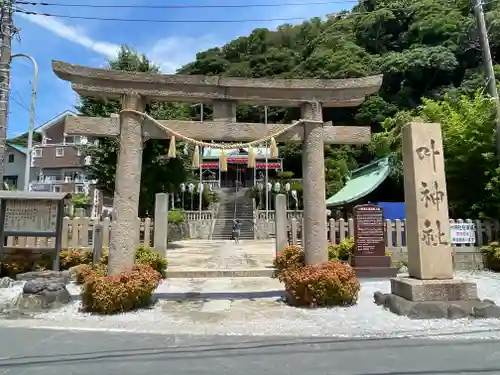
<point>436,299</point>
<point>434,290</point>
<point>373,266</point>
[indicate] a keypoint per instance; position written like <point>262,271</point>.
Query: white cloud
<point>173,52</point>
<point>73,34</point>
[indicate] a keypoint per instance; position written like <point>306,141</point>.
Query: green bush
<point>341,251</point>
<point>330,284</point>
<point>491,254</point>
<point>146,255</point>
<point>175,216</point>
<point>127,291</point>
<point>143,255</point>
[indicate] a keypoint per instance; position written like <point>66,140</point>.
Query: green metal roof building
<point>362,182</point>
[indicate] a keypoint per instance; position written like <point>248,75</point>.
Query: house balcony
<point>66,184</point>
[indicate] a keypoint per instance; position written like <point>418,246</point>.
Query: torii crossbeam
<point>224,93</point>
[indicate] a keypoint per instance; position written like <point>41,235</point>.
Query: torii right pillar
<point>313,177</point>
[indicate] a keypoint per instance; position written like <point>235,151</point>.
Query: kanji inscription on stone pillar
<point>427,221</point>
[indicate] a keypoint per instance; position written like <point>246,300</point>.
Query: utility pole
<point>6,29</point>
<point>488,65</point>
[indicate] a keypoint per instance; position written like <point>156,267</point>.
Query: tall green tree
<point>424,49</point>
<point>159,174</point>
<point>472,170</point>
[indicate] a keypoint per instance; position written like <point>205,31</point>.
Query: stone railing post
<point>97,237</point>
<point>127,187</point>
<point>161,224</point>
<point>280,223</point>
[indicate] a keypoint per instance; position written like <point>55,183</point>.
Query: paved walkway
<point>201,258</point>
<point>35,352</point>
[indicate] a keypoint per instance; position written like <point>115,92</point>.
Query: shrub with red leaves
<point>127,291</point>
<point>290,257</point>
<point>330,284</point>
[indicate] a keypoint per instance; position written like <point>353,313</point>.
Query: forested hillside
<point>425,49</point>
<point>429,54</point>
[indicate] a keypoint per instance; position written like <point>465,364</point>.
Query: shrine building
<point>238,167</point>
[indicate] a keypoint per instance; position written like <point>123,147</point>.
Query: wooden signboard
<point>369,233</point>
<point>32,214</point>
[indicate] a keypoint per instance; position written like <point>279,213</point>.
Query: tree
<point>472,171</point>
<point>22,140</point>
<point>424,49</point>
<point>159,174</point>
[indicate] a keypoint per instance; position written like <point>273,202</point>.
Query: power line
<point>18,10</point>
<point>180,6</point>
<point>338,14</point>
<point>22,103</point>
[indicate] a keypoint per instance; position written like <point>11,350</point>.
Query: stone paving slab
<point>201,258</point>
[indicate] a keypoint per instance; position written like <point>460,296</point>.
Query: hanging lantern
<point>251,157</point>
<point>274,149</point>
<point>277,187</point>
<point>287,187</point>
<point>172,152</point>
<point>223,161</point>
<point>183,187</point>
<point>196,158</point>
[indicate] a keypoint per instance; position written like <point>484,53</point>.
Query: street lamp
<point>31,129</point>
<point>183,191</point>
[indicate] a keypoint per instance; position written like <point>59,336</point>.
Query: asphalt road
<point>37,351</point>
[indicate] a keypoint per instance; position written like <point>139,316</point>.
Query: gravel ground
<point>240,315</point>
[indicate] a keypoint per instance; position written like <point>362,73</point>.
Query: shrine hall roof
<point>361,183</point>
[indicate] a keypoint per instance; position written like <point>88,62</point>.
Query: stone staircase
<point>234,205</point>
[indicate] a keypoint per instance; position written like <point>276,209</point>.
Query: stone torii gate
<point>224,93</point>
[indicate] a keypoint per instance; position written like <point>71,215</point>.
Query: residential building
<point>14,166</point>
<point>57,163</point>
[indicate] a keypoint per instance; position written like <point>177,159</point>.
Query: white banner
<point>463,233</point>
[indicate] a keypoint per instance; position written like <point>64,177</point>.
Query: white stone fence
<point>77,232</point>
<point>466,256</point>
<point>395,234</point>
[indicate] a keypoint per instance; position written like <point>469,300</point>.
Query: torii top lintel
<point>205,89</point>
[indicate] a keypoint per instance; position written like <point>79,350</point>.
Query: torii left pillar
<point>127,187</point>
<point>313,180</point>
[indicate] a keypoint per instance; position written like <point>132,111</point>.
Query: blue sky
<point>93,42</point>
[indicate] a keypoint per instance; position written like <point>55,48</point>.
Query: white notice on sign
<point>30,216</point>
<point>463,233</point>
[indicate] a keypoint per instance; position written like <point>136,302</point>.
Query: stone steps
<point>208,273</point>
